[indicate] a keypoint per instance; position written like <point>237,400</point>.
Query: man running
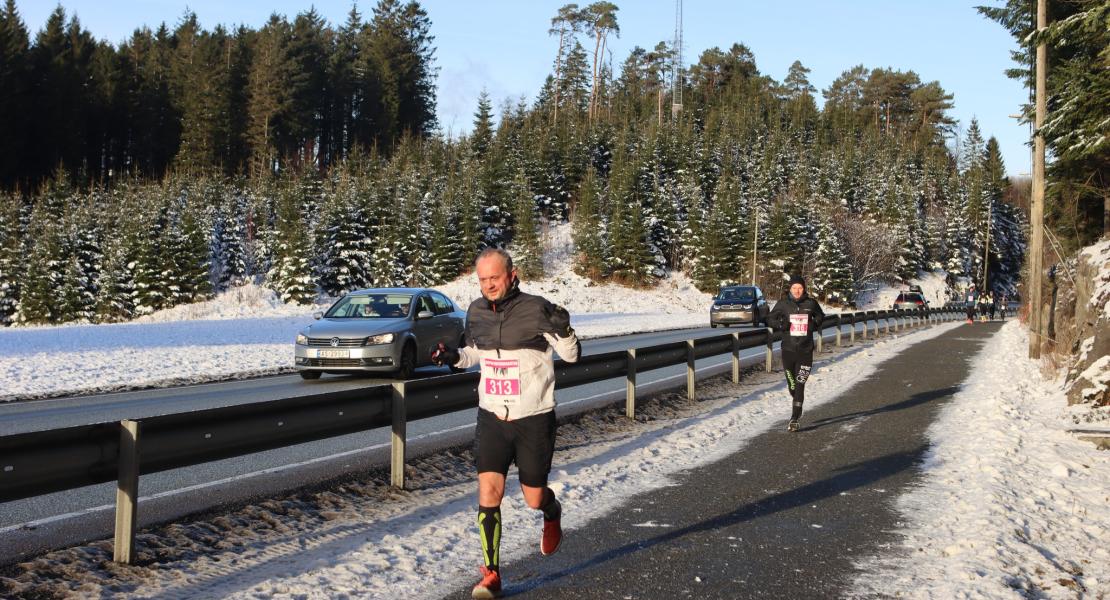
<point>797,316</point>
<point>510,334</point>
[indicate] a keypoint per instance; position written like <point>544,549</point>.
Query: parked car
<point>910,301</point>
<point>739,304</point>
<point>387,330</point>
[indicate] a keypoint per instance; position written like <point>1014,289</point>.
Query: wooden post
<point>127,492</point>
<point>397,446</point>
<point>770,348</point>
<point>1036,205</point>
<point>838,327</point>
<point>886,325</point>
<point>865,327</point>
<point>630,385</point>
<point>820,340</point>
<point>852,332</point>
<point>691,373</point>
<point>735,357</point>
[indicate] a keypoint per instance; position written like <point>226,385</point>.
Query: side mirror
<point>424,314</point>
<point>317,315</point>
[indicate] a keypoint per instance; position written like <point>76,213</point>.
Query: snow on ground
<point>247,332</point>
<point>1012,505</point>
<point>361,539</point>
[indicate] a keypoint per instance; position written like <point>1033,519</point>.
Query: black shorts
<point>529,442</point>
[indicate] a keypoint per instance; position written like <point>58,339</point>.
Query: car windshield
<point>909,298</point>
<point>371,306</point>
<point>738,294</point>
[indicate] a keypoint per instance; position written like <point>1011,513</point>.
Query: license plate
<point>335,354</point>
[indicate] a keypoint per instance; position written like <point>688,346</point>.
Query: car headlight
<point>302,339</point>
<point>375,340</point>
<point>715,307</point>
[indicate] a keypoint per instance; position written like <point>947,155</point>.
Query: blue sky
<point>503,45</point>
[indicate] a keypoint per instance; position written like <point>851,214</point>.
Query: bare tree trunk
<point>558,77</point>
<point>593,87</point>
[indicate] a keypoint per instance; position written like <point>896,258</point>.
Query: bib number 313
<point>799,325</point>
<point>501,380</point>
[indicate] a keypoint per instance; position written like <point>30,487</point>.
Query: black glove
<point>443,355</point>
<point>560,321</point>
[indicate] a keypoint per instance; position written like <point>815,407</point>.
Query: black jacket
<point>515,322</point>
<point>779,319</point>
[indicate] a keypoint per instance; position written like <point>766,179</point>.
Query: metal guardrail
<point>42,462</point>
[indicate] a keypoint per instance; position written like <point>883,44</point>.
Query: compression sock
<point>489,528</point>
<point>552,509</point>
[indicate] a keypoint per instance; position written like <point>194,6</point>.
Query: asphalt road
<point>36,524</point>
<point>783,518</point>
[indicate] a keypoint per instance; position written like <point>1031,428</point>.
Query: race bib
<point>501,380</point>
<point>799,325</point>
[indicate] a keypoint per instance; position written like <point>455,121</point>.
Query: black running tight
<point>797,366</point>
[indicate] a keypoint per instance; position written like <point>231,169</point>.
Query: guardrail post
<point>820,339</point>
<point>886,324</point>
<point>630,385</point>
<point>127,492</point>
<point>735,357</point>
<point>838,327</point>
<point>770,348</point>
<point>852,332</point>
<point>397,445</point>
<point>691,373</point>
<point>898,322</point>
<point>865,327</point>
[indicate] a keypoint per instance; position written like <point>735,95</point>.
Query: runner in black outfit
<point>797,316</point>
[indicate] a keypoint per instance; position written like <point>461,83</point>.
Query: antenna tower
<point>676,67</point>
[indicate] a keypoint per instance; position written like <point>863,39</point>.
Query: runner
<point>797,316</point>
<point>510,334</point>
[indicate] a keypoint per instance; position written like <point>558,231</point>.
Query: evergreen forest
<point>306,156</point>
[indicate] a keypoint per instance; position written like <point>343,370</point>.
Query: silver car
<point>388,330</point>
<point>739,304</point>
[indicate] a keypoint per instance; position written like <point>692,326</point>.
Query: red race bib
<point>799,325</point>
<point>501,380</point>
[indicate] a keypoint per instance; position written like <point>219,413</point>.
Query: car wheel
<point>712,325</point>
<point>408,362</point>
<point>309,375</point>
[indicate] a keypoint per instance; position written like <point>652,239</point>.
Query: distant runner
<point>797,316</point>
<point>510,334</point>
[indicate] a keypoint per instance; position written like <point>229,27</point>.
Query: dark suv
<point>738,304</point>
<point>910,301</point>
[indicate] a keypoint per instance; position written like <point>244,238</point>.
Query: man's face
<point>494,278</point>
<point>796,291</point>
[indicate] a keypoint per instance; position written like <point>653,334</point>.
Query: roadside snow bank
<point>1011,505</point>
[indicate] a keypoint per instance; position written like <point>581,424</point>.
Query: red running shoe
<point>489,586</point>
<point>552,537</point>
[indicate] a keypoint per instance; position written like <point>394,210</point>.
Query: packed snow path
<point>785,517</point>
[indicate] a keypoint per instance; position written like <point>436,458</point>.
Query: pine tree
<point>11,258</point>
<point>46,264</point>
<point>193,260</point>
<point>343,251</point>
<point>156,286</point>
<point>832,278</point>
<point>590,239</point>
<point>291,272</point>
<point>526,247</point>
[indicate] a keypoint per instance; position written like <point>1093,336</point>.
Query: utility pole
<point>1036,209</point>
<point>987,246</point>
<point>755,241</point>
